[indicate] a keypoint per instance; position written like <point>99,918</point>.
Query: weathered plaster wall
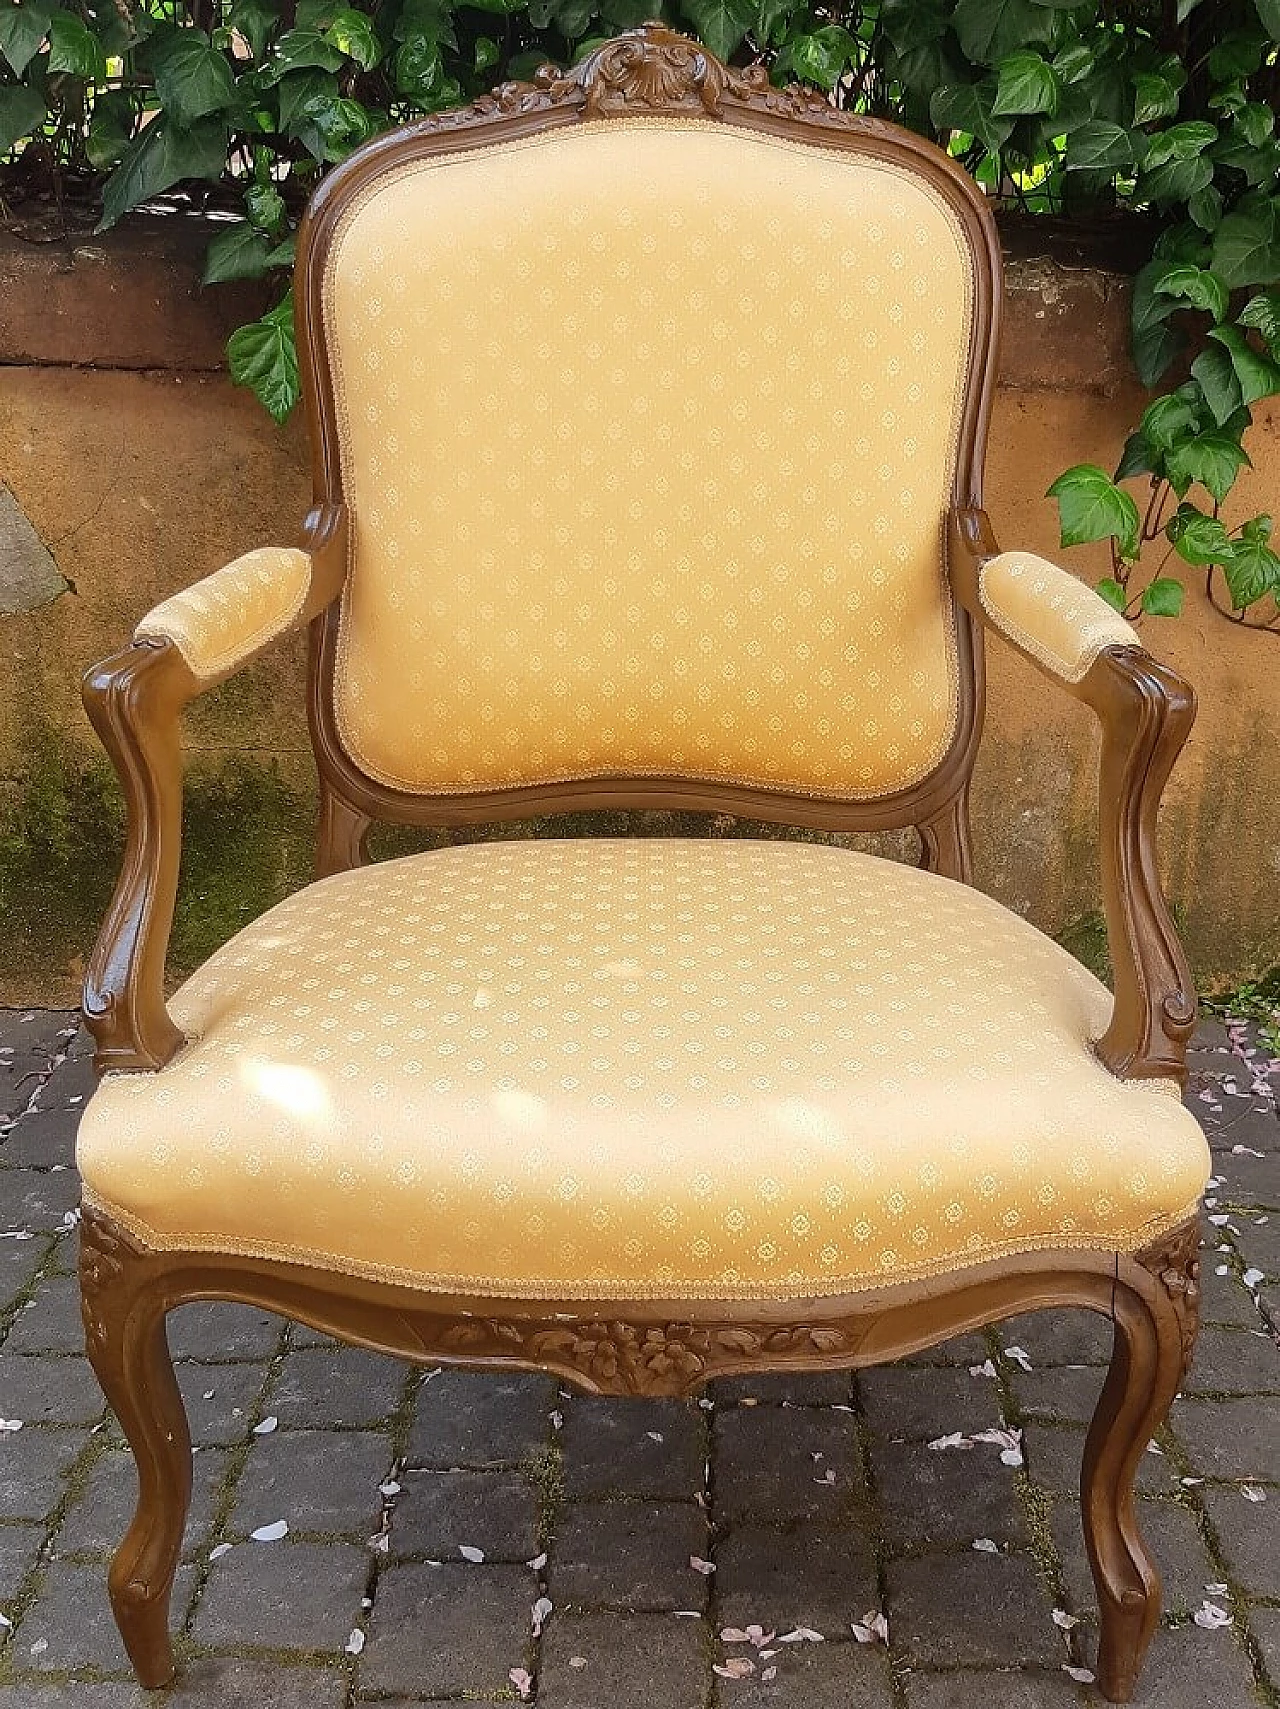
<point>123,481</point>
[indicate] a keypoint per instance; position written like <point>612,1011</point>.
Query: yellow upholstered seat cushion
<point>640,1068</point>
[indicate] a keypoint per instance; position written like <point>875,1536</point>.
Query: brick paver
<point>815,1501</point>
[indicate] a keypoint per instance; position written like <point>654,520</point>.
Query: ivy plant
<point>1160,112</point>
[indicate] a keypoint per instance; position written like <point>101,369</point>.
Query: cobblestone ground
<point>651,1529</point>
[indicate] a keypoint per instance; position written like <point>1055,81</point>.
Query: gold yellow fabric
<point>647,432</point>
<point>640,1069</point>
<point>225,618</point>
<point>1056,618</point>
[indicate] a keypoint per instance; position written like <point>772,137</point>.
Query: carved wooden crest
<point>649,70</point>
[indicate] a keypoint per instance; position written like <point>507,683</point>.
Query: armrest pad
<point>1048,613</point>
<point>229,615</point>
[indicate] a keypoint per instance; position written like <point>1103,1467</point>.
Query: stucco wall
<point>148,469</point>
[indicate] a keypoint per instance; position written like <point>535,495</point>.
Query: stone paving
<point>431,1513</point>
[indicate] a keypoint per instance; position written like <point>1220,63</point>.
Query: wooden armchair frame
<point>656,1348</point>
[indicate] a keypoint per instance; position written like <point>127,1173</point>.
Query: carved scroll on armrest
<point>134,700</point>
<point>1146,711</point>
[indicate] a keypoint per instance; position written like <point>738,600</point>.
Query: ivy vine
<point>1159,111</point>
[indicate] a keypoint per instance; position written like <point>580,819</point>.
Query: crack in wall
<point>29,575</point>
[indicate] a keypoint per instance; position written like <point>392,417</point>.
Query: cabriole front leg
<point>124,1321</point>
<point>1155,1330</point>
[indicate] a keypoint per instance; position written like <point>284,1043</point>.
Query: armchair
<point>594,528</point>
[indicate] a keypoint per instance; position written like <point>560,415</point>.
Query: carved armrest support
<point>1146,711</point>
<point>134,700</point>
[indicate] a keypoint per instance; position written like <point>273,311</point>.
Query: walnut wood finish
<point>1146,711</point>
<point>643,1348</point>
<point>135,700</point>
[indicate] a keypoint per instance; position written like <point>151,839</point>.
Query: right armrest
<point>134,700</point>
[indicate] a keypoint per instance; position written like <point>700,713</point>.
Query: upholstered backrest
<point>648,428</point>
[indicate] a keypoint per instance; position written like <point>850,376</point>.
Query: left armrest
<point>225,619</point>
<point>1146,711</point>
<point>135,700</point>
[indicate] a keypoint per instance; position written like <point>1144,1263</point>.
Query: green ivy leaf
<point>1236,56</point>
<point>1269,13</point>
<point>1245,251</point>
<point>1175,181</point>
<point>1205,208</point>
<point>75,49</point>
<point>192,78</point>
<point>1163,597</point>
<point>1155,348</point>
<point>302,49</point>
<point>419,67</point>
<point>22,29</point>
<point>1216,373</point>
<point>1201,289</point>
<point>990,29</point>
<point>1166,420</point>
<point>918,48</point>
<point>1074,62</point>
<point>1139,457</point>
<point>1026,83</point>
<point>1252,572</point>
<point>1154,345</point>
<point>1263,313</point>
<point>1258,375</point>
<point>1257,529</point>
<point>238,252</point>
<point>263,357</point>
<point>821,56</point>
<point>967,107</point>
<point>332,126</point>
<point>22,111</point>
<point>352,33</point>
<point>110,128</point>
<point>1092,507</point>
<point>428,18</point>
<point>771,20</point>
<point>722,24</point>
<point>1199,540</point>
<point>1180,142</point>
<point>1099,146</point>
<point>296,90</point>
<point>1113,592</point>
<point>1214,460</point>
<point>1155,96</point>
<point>255,20</point>
<point>265,206</point>
<point>161,155</point>
<point>1256,122</point>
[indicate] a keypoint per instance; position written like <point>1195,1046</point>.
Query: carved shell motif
<point>647,70</point>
